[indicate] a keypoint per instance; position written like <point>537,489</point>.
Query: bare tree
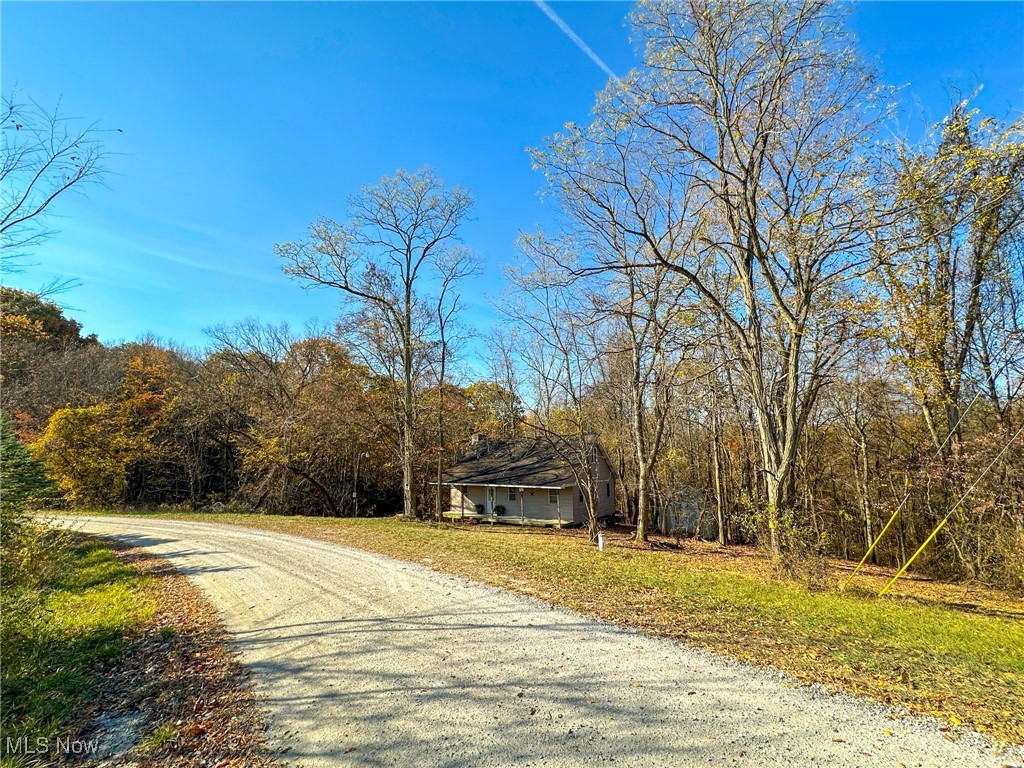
<point>553,362</point>
<point>454,266</point>
<point>617,195</point>
<point>737,154</point>
<point>383,261</point>
<point>42,155</point>
<point>654,331</point>
<point>856,401</point>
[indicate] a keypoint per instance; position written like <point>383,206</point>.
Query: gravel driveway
<point>364,660</point>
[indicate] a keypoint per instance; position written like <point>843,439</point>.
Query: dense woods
<point>267,419</point>
<point>760,301</point>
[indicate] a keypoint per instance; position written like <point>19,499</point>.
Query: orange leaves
<point>89,450</point>
<point>149,378</point>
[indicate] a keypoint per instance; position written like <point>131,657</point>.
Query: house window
<point>607,489</point>
<point>465,490</point>
<point>552,497</point>
<point>581,494</point>
<point>511,494</point>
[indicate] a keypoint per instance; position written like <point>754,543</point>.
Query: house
<point>529,481</point>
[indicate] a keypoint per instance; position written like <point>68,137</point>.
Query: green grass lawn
<point>60,633</point>
<point>949,650</point>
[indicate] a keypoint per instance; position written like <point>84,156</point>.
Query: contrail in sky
<point>575,38</point>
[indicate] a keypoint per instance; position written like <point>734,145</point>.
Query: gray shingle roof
<point>529,462</point>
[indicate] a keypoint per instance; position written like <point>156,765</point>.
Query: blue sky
<point>241,122</point>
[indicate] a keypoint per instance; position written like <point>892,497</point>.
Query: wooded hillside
<point>760,300</point>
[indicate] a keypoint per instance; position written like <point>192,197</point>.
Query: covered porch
<point>506,520</point>
<point>512,505</point>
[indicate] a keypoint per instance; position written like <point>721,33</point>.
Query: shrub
<point>802,554</point>
<point>30,554</point>
<point>24,483</point>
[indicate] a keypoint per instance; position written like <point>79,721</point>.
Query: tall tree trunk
<point>775,503</point>
<point>717,478</point>
<point>408,427</point>
<point>643,503</point>
<point>440,454</point>
<point>865,498</point>
<point>440,423</point>
<point>643,512</point>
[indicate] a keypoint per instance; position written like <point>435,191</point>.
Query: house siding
<point>537,506</point>
<point>466,503</point>
<point>605,503</point>
<point>605,487</point>
<point>533,503</point>
<point>579,507</point>
<point>604,482</point>
<point>565,504</point>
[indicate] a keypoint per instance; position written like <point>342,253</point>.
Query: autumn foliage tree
<point>111,452</point>
<point>953,267</point>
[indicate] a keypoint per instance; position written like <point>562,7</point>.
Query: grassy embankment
<point>69,608</point>
<point>953,651</point>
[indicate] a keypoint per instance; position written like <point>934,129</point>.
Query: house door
<point>490,501</point>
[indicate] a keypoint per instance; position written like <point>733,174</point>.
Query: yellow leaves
<point>21,326</point>
<point>88,450</point>
<point>267,452</point>
<point>85,454</point>
<point>20,334</point>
